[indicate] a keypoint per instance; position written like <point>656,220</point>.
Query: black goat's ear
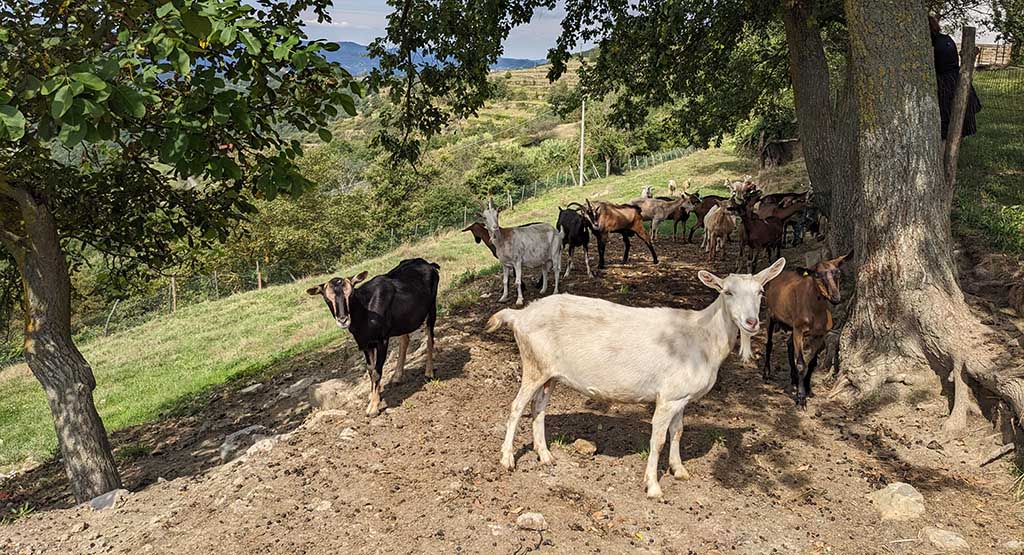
<point>359,277</point>
<point>313,291</point>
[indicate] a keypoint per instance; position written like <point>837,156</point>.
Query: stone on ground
<point>532,521</point>
<point>944,540</point>
<point>237,443</point>
<point>898,501</point>
<point>107,500</point>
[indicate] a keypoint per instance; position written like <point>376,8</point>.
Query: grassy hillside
<point>146,371</point>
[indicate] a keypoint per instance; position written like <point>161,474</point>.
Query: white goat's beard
<point>745,351</point>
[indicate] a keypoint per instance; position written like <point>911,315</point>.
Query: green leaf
<point>181,61</point>
<point>281,52</point>
<point>228,35</point>
<point>330,46</point>
<point>89,80</point>
<point>129,102</point>
<point>165,9</point>
<point>71,135</point>
<point>30,85</point>
<point>197,25</point>
<point>252,44</point>
<point>108,69</point>
<point>51,84</point>
<point>348,104</point>
<point>13,120</point>
<point>325,135</point>
<point>62,101</point>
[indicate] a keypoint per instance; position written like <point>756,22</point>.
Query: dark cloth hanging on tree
<point>947,73</point>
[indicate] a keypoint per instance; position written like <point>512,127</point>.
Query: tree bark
<point>827,123</point>
<point>909,314</point>
<point>32,238</point>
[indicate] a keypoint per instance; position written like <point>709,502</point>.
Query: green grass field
<point>147,371</point>
<point>990,180</point>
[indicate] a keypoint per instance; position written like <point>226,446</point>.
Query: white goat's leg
<point>519,282</point>
<point>659,426</point>
<point>403,346</point>
<point>586,258</point>
<point>675,462</point>
<point>569,268</point>
<point>557,266</point>
<point>504,284</point>
<point>526,392</point>
<point>540,443</point>
<point>543,278</point>
<point>429,370</point>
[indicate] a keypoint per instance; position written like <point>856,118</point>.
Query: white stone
<point>251,389</point>
<point>107,500</point>
<point>944,540</point>
<point>532,521</point>
<point>898,501</point>
<point>236,443</point>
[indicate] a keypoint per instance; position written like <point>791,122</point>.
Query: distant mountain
<point>353,57</point>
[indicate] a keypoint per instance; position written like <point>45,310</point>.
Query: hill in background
<point>353,57</point>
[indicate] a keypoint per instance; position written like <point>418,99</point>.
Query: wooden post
<point>106,325</point>
<point>174,295</point>
<point>216,288</point>
<point>259,275</point>
<point>573,177</point>
<point>509,195</point>
<point>594,166</point>
<point>464,220</point>
<point>968,53</point>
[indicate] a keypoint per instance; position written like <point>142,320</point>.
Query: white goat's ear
<point>711,280</point>
<point>313,291</point>
<point>771,272</point>
<point>358,277</point>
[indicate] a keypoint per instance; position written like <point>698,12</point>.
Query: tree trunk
<point>826,124</point>
<point>50,351</point>
<point>909,314</point>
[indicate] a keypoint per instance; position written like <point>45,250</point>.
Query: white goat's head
<point>491,219</point>
<point>647,192</point>
<point>741,295</point>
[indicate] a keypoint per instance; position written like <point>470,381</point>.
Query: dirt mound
<point>424,476</point>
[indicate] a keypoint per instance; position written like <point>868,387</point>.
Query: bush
<point>501,169</point>
<point>564,102</point>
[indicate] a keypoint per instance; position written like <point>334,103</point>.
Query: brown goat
<point>701,207</point>
<point>625,219</point>
<point>480,233</point>
<point>763,234</point>
<point>799,300</point>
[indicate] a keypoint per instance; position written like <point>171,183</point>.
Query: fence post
<point>509,195</point>
<point>259,275</point>
<point>106,325</point>
<point>594,166</point>
<point>464,221</point>
<point>216,288</point>
<point>573,175</point>
<point>174,295</point>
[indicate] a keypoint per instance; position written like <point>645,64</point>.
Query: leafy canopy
<point>142,124</point>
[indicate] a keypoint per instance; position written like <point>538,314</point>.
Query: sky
<point>362,21</point>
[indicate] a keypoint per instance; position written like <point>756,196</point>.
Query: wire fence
<point>1003,87</point>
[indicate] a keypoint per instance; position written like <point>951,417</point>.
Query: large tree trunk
<point>909,314</point>
<point>826,121</point>
<point>32,238</point>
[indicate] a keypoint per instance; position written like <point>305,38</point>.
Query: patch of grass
<point>624,289</point>
<point>17,513</point>
<point>1017,489</point>
<point>644,452</point>
<point>561,441</point>
<point>990,175</point>
<point>714,436</point>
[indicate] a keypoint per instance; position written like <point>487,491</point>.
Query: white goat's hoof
<point>680,473</point>
<point>654,491</point>
<point>546,457</point>
<point>519,302</point>
<point>508,462</point>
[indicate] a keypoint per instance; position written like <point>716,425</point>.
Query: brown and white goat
<point>718,226</point>
<point>702,205</point>
<point>529,246</point>
<point>480,234</point>
<point>610,352</point>
<point>659,209</point>
<point>800,300</point>
<point>625,219</point>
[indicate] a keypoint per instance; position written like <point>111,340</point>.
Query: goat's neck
<point>722,331</point>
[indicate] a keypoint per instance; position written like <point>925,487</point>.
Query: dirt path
<point>424,477</point>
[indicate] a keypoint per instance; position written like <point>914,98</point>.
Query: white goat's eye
<point>729,293</point>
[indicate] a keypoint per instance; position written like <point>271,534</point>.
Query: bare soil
<point>424,476</point>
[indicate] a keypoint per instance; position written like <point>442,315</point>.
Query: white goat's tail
<point>501,317</point>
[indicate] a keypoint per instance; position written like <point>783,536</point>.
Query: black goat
<point>575,233</point>
<point>392,305</point>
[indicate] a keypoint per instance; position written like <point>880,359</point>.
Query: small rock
<point>348,434</point>
<point>585,447</point>
<point>108,500</point>
<point>262,446</point>
<point>934,445</point>
<point>898,501</point>
<point>236,443</point>
<point>251,389</point>
<point>321,415</point>
<point>499,429</point>
<point>323,506</point>
<point>79,528</point>
<point>532,521</point>
<point>331,394</point>
<point>496,529</point>
<point>1014,546</point>
<point>299,387</point>
<point>944,540</point>
<point>160,479</point>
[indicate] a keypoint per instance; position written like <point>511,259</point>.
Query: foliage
<point>499,170</point>
<point>563,100</point>
<point>146,126</point>
<point>1008,20</point>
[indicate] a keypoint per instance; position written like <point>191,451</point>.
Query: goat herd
<point>621,354</point>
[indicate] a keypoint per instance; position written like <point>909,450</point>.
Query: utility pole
<point>583,120</point>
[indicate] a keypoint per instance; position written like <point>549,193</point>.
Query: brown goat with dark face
<point>800,300</point>
<point>480,233</point>
<point>625,219</point>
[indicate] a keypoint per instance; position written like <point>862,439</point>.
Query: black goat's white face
<point>336,294</point>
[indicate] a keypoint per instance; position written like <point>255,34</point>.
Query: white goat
<point>666,356</point>
<point>647,192</point>
<point>531,246</point>
<point>718,226</point>
<point>659,209</point>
